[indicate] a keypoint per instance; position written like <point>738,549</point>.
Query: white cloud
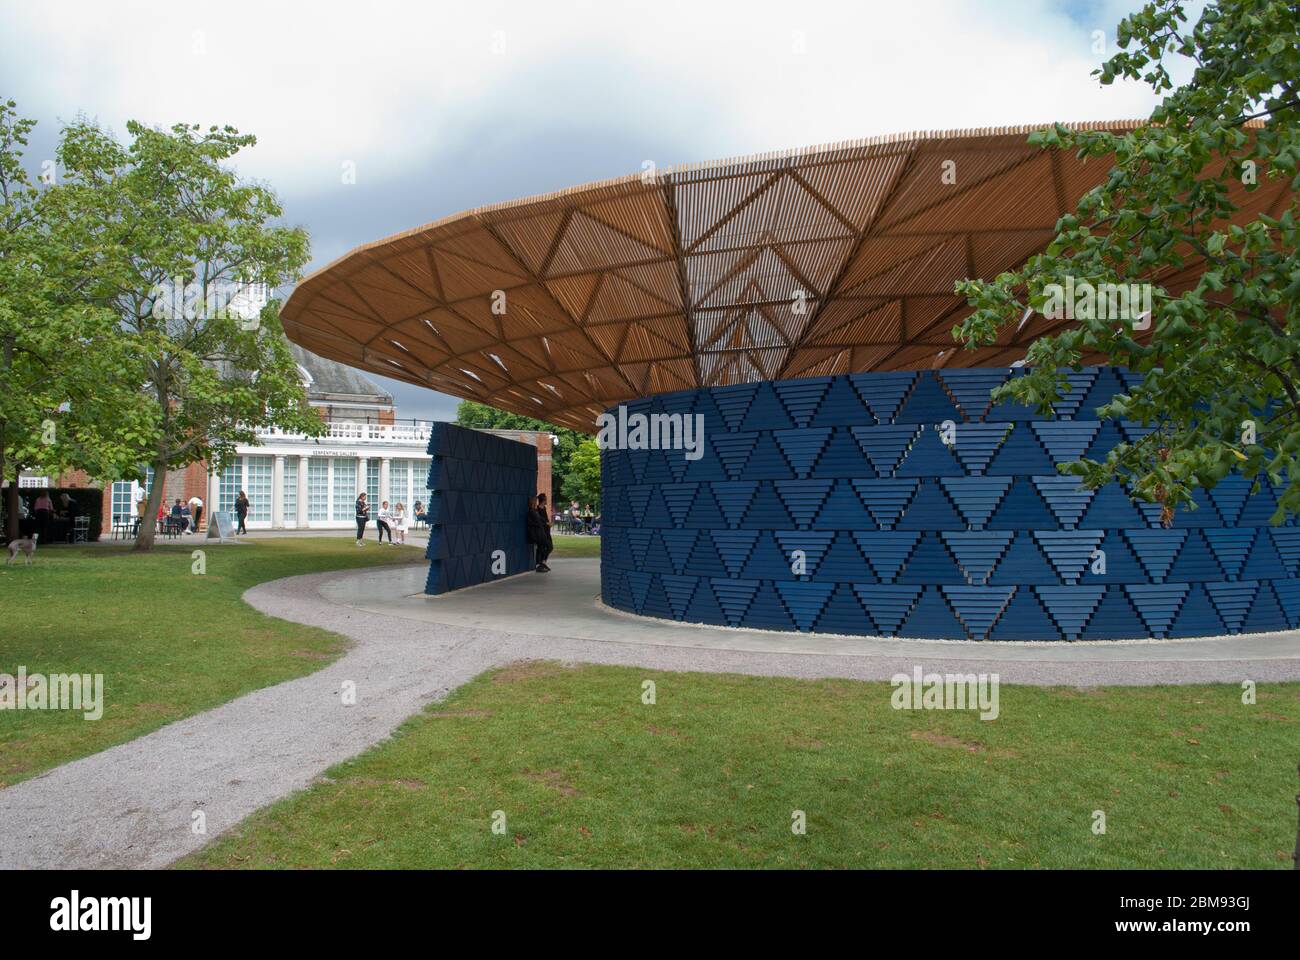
<point>420,93</point>
<point>390,85</point>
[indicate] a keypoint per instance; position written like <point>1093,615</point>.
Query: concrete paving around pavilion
<point>133,805</point>
<point>567,602</point>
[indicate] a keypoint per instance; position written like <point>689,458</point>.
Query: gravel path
<point>134,805</point>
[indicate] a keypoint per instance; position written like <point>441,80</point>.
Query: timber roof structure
<point>831,259</point>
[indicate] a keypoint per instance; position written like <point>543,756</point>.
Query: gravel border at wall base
<point>134,805</point>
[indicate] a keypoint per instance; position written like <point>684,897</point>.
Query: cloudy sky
<point>441,106</point>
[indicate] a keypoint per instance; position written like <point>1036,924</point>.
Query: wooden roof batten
<point>766,266</point>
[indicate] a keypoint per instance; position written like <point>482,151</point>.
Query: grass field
<point>587,775</point>
<point>169,642</point>
<point>566,546</point>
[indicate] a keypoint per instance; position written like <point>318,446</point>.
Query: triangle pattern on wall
<point>836,504</point>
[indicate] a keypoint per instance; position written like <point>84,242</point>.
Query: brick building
<point>298,482</point>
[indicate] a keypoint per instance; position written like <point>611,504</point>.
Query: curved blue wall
<point>906,536</point>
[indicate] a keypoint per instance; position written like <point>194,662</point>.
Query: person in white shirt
<point>385,522</point>
<point>399,521</point>
<point>196,513</point>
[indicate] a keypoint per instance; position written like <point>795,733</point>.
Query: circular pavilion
<point>846,472</point>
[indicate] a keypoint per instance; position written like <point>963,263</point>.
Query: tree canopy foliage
<point>470,413</point>
<point>121,318</point>
<point>1221,358</point>
<point>582,481</point>
<point>69,395</point>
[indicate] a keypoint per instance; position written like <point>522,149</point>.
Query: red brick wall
<point>544,466</point>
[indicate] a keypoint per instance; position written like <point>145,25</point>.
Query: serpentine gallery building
<point>793,440</point>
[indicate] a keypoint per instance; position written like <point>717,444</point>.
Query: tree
<point>67,395</point>
<point>582,482</point>
<point>480,416</point>
<point>1221,358</point>
<point>180,239</point>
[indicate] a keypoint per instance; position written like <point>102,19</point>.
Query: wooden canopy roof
<point>832,259</point>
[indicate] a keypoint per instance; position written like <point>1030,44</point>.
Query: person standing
<point>545,544</point>
<point>399,521</point>
<point>363,514</point>
<point>241,511</point>
<point>43,510</point>
<point>534,531</point>
<point>196,511</point>
<point>384,522</point>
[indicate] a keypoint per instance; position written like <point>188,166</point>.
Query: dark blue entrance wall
<point>480,487</point>
<point>905,536</point>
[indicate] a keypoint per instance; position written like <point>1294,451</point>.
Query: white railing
<point>390,433</point>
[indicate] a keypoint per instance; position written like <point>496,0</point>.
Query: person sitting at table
<point>419,513</point>
<point>176,521</point>
<point>68,507</point>
<point>586,518</point>
<point>187,518</point>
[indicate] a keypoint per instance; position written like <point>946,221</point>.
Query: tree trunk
<point>149,523</point>
<point>11,502</point>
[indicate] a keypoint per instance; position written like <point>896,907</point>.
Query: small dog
<point>27,545</point>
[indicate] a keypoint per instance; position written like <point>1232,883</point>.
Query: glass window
<point>318,489</point>
<point>123,501</point>
<point>257,482</point>
<point>372,483</point>
<point>289,491</point>
<point>399,477</point>
<point>345,488</point>
<point>232,476</point>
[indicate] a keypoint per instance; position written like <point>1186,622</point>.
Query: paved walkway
<point>567,604</point>
<point>133,805</point>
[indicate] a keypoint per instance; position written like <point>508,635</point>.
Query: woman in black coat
<point>241,510</point>
<point>363,514</point>
<point>539,534</point>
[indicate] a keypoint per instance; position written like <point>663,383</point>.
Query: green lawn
<point>169,643</point>
<point>574,546</point>
<point>709,776</point>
